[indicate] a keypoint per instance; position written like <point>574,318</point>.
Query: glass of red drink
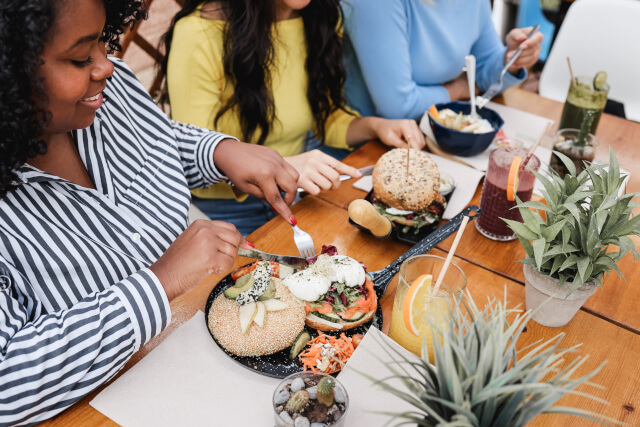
<point>494,201</point>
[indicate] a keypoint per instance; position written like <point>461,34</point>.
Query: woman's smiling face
<point>75,67</point>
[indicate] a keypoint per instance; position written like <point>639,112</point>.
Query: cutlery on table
<point>365,171</point>
<point>303,241</point>
<point>495,88</point>
<point>470,65</point>
<point>291,261</point>
<point>381,278</point>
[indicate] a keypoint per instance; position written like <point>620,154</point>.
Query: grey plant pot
<point>560,309</point>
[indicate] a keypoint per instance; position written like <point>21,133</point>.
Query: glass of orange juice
<point>414,300</point>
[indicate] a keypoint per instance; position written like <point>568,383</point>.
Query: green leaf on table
<point>538,250</point>
<point>557,262</point>
<point>583,264</point>
<point>520,229</point>
<point>573,209</point>
<point>534,205</point>
<point>569,262</point>
<point>631,226</point>
<point>614,171</point>
<point>552,231</point>
<point>579,196</point>
<point>550,193</point>
<point>531,220</point>
<point>566,161</point>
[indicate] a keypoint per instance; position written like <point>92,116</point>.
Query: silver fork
<point>495,88</point>
<point>304,242</point>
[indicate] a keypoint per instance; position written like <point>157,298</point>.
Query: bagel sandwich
<point>336,293</point>
<point>410,200</point>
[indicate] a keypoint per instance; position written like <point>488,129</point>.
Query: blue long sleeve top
<point>400,52</point>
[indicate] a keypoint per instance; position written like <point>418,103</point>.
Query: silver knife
<point>292,261</point>
<point>365,171</point>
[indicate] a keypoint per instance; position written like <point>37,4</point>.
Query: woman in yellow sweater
<point>269,71</point>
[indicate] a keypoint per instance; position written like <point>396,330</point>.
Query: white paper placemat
<point>189,381</point>
<point>519,126</point>
<point>466,179</point>
<point>365,400</point>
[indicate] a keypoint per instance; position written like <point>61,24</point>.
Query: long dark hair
<point>24,117</point>
<point>248,54</point>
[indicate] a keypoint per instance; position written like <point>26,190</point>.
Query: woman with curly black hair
<point>94,193</point>
<point>270,71</point>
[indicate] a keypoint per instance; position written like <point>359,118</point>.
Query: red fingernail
<point>274,209</point>
<point>251,245</point>
<point>293,221</point>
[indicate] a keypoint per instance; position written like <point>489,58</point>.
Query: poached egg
<point>313,282</point>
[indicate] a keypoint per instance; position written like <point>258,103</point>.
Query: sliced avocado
<point>270,292</point>
<point>242,280</point>
<point>298,344</point>
<point>261,278</point>
<point>233,291</point>
<point>356,316</point>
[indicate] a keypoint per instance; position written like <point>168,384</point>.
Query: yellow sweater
<point>198,88</point>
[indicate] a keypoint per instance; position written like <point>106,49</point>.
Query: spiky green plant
<point>480,378</point>
<point>584,217</point>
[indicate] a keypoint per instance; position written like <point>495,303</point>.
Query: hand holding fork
<point>495,88</point>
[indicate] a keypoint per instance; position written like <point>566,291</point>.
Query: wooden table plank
<point>619,299</point>
<point>328,224</point>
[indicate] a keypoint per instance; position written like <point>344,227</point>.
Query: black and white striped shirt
<point>76,296</point>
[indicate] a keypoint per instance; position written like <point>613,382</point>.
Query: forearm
<point>363,129</point>
<point>48,364</point>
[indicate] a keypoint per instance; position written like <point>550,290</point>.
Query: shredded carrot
<point>312,357</point>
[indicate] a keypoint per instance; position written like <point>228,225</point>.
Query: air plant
<point>480,378</point>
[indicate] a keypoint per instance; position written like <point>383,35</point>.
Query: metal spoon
<point>470,65</point>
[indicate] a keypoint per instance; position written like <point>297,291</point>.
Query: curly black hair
<point>24,27</point>
<point>248,55</point>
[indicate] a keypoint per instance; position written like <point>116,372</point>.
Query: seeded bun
<point>345,325</point>
<point>414,192</point>
<point>279,331</point>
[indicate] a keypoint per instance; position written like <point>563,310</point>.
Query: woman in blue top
<point>405,55</point>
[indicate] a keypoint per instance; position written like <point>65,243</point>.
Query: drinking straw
<point>530,153</point>
<point>447,261</point>
<point>573,78</point>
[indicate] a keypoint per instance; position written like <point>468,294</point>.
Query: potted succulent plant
<point>582,235</point>
<point>481,378</point>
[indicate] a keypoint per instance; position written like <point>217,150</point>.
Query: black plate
<point>397,234</point>
<point>279,365</point>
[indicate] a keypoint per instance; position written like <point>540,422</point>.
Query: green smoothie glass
<point>585,102</point>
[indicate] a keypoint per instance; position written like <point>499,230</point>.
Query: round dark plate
<point>397,234</point>
<point>278,365</point>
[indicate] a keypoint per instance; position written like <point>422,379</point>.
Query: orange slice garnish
<point>512,182</point>
<point>415,302</point>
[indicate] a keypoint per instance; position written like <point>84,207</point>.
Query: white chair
<point>598,35</point>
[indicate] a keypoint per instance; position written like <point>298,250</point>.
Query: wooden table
<point>608,326</point>
<point>619,300</point>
